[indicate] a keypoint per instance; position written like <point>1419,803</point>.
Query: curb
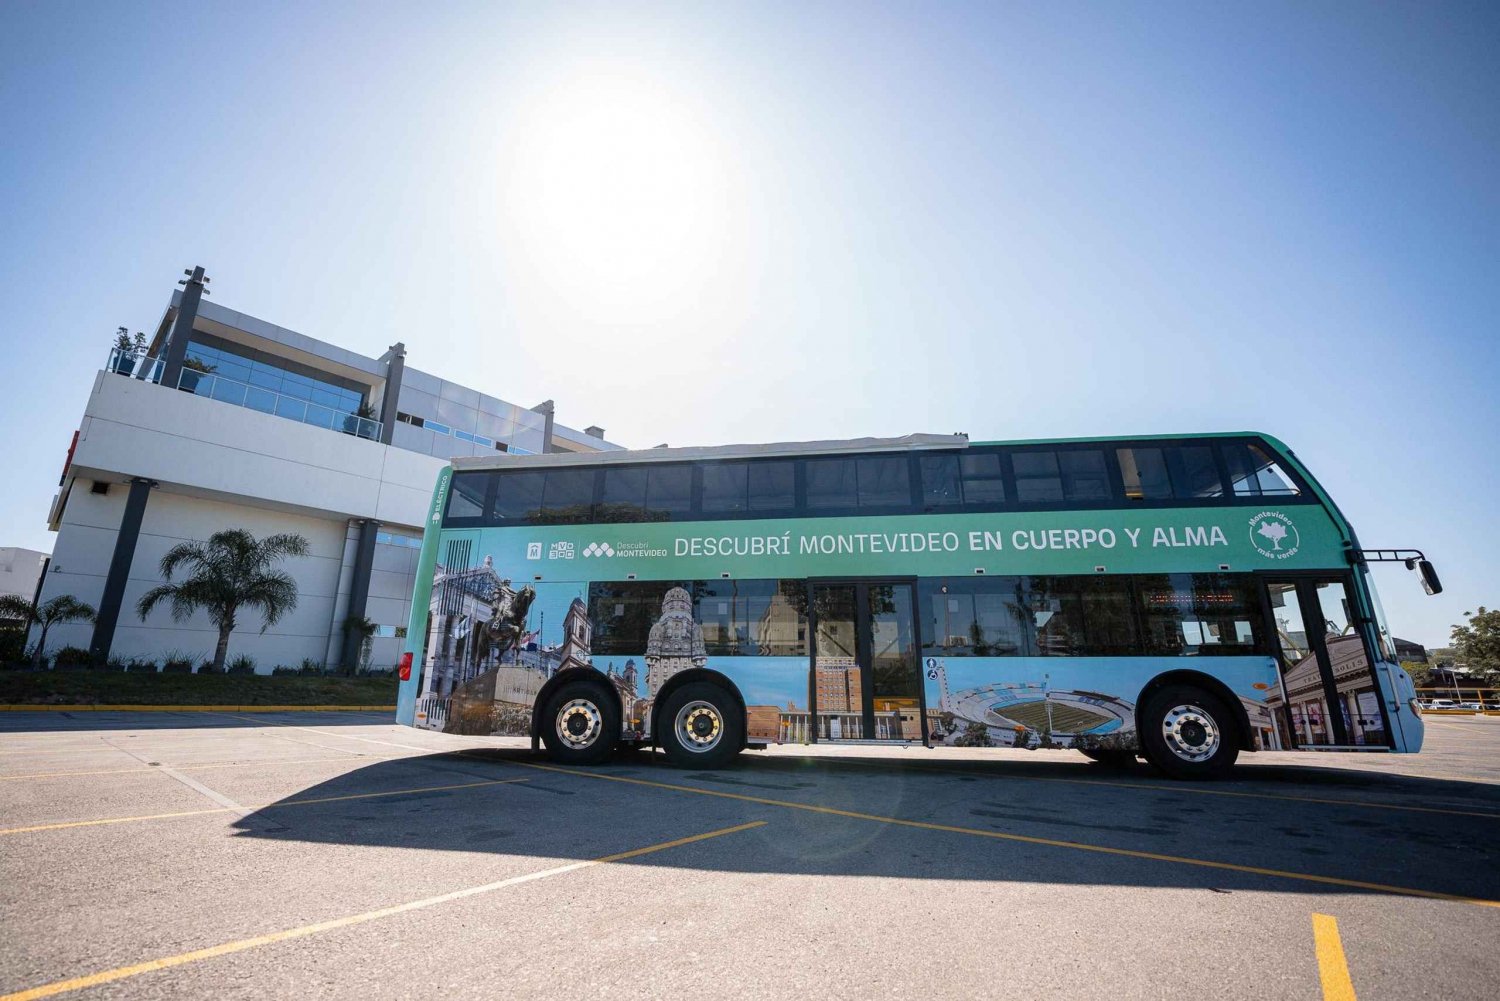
<point>22,708</point>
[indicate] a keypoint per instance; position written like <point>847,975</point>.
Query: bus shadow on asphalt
<point>1047,822</point>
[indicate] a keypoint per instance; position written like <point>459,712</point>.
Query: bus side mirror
<point>1424,569</point>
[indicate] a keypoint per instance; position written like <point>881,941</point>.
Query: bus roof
<point>905,443</point>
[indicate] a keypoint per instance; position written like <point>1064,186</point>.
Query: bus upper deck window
<point>772,486</point>
<point>1256,474</point>
<point>466,498</point>
<point>884,481</point>
<point>940,486</point>
<point>725,487</point>
<point>1144,471</point>
<point>519,496</point>
<point>669,491</point>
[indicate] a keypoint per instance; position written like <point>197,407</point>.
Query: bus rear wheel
<point>1109,757</point>
<point>1189,733</point>
<point>581,724</point>
<point>700,726</point>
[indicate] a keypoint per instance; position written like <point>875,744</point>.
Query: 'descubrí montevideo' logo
<point>1273,535</point>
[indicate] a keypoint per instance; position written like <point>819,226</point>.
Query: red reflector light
<point>404,670</point>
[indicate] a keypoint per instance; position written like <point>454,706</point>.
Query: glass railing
<point>241,394</point>
<point>136,364</point>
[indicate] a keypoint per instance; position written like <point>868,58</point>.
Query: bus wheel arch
<point>709,702</point>
<point>588,705</point>
<point>1208,683</point>
<point>1185,727</point>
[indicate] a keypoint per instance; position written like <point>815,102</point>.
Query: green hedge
<point>131,688</point>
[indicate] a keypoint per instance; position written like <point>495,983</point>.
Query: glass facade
<point>253,379</point>
<point>281,377</point>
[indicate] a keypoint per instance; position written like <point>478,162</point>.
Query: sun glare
<point>616,186</point>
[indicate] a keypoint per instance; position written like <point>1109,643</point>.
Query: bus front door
<point>1328,696</point>
<point>866,679</point>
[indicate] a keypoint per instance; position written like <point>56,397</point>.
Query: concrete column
<point>546,408</point>
<point>182,330</point>
<point>395,367</point>
<point>359,590</point>
<point>119,569</point>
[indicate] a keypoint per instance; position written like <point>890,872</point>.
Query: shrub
<point>12,647</point>
<point>281,670</point>
<point>207,667</point>
<point>115,664</point>
<point>178,662</point>
<point>141,667</point>
<point>72,658</point>
<point>243,664</point>
<point>309,666</point>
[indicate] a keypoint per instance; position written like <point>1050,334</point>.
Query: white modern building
<point>20,570</point>
<point>227,421</point>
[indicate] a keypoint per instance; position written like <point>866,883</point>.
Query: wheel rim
<point>1190,733</point>
<point>579,723</point>
<point>699,726</point>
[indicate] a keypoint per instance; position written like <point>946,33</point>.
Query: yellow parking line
<point>1332,969</point>
<point>193,768</point>
<point>1357,884</point>
<point>120,973</point>
<point>267,806</point>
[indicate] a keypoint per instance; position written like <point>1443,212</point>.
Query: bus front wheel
<point>581,724</point>
<point>1189,733</point>
<point>700,726</point>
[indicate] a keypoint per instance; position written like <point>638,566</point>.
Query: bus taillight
<point>404,670</point>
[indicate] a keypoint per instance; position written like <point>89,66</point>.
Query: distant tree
<point>63,608</point>
<point>1477,644</point>
<point>232,570</point>
<point>1421,674</point>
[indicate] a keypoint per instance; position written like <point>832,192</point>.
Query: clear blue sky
<point>707,222</point>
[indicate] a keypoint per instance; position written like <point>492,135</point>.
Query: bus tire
<point>1189,733</point>
<point>700,726</point>
<point>581,724</point>
<point>1111,757</point>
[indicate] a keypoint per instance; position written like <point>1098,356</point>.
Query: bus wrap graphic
<point>1106,541</point>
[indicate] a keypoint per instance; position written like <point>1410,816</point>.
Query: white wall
<point>19,570</point>
<point>86,545</point>
<point>220,466</point>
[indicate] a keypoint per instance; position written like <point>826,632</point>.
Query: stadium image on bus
<point>1178,598</point>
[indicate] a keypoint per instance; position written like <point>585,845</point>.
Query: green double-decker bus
<point>1178,598</point>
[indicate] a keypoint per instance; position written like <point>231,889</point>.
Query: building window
<point>406,541</point>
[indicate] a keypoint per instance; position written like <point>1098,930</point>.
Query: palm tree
<point>63,608</point>
<point>231,570</point>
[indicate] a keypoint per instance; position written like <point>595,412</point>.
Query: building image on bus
<point>1177,598</point>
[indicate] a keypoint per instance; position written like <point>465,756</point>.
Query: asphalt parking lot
<point>338,855</point>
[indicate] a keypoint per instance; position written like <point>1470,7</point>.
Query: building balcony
<point>243,394</point>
